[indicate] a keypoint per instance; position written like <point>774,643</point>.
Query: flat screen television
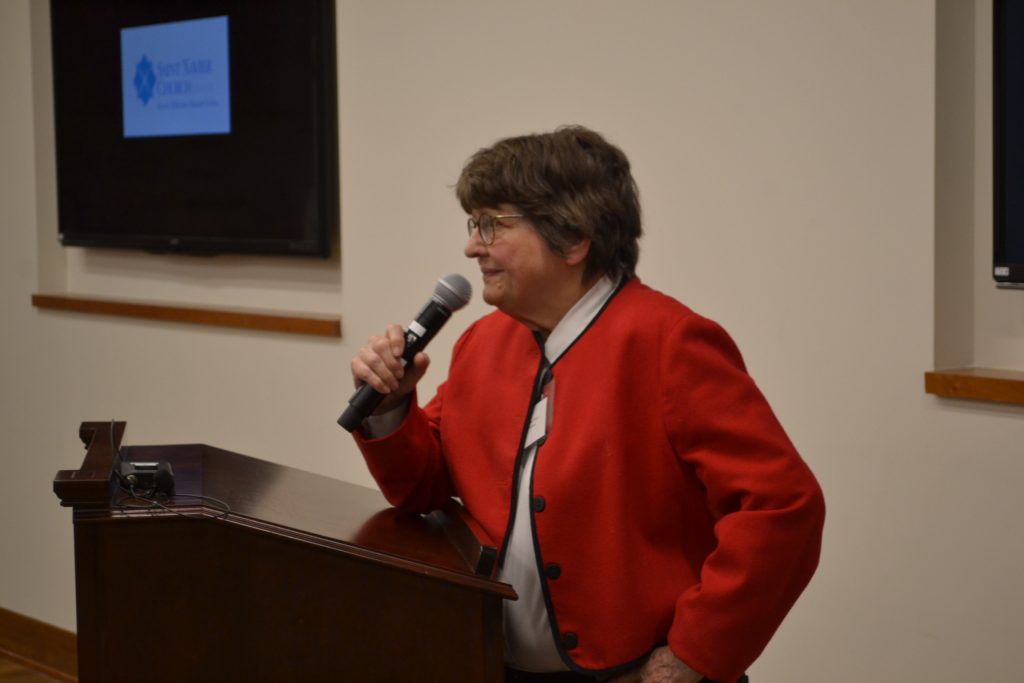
<point>1008,143</point>
<point>203,126</point>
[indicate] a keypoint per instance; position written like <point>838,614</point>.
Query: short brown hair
<point>572,184</point>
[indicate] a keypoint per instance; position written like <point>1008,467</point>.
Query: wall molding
<point>979,384</point>
<point>292,323</point>
<point>39,646</point>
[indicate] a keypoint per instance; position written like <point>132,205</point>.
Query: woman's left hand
<point>661,667</point>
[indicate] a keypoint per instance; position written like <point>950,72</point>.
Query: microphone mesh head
<point>453,291</point>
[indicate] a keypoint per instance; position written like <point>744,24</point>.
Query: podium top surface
<point>313,509</point>
<point>275,500</point>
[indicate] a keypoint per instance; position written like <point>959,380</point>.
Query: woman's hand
<point>661,667</point>
<point>379,364</point>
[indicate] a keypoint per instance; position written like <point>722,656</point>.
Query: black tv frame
<point>270,186</point>
<point>1008,143</point>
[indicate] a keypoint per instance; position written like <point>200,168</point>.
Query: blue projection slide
<point>175,78</point>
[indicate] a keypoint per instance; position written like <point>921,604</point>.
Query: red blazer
<point>666,493</point>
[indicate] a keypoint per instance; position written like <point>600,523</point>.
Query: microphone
<point>451,293</point>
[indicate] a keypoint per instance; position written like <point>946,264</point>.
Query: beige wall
<point>786,154</point>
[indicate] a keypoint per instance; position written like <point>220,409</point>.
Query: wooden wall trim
<point>980,384</point>
<point>293,323</point>
<point>39,646</point>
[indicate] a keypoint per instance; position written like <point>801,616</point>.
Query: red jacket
<point>666,492</point>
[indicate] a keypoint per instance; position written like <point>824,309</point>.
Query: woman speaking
<point>651,513</point>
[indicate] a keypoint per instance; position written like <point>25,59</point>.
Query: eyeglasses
<point>487,224</point>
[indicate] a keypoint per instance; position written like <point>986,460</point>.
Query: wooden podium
<point>306,578</point>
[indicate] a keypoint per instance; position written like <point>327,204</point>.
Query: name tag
<point>542,415</point>
<point>538,423</point>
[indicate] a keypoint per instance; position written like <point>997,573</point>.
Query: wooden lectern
<point>306,578</point>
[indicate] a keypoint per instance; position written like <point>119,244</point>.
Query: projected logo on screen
<point>175,78</point>
<point>144,80</point>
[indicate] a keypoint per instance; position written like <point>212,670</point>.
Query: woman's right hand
<point>379,364</point>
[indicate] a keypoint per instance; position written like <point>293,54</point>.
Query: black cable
<point>150,495</point>
<point>223,508</point>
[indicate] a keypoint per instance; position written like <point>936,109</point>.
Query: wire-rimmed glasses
<point>487,223</point>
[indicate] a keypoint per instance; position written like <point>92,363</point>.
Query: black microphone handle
<point>362,404</point>
<point>420,332</point>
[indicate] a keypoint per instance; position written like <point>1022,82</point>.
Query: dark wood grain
<point>306,573</point>
<point>92,484</point>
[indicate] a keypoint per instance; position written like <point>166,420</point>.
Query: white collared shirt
<point>529,641</point>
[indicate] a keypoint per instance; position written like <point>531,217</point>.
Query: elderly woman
<point>652,515</point>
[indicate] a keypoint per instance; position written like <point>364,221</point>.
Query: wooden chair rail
<point>293,323</point>
<point>980,384</point>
